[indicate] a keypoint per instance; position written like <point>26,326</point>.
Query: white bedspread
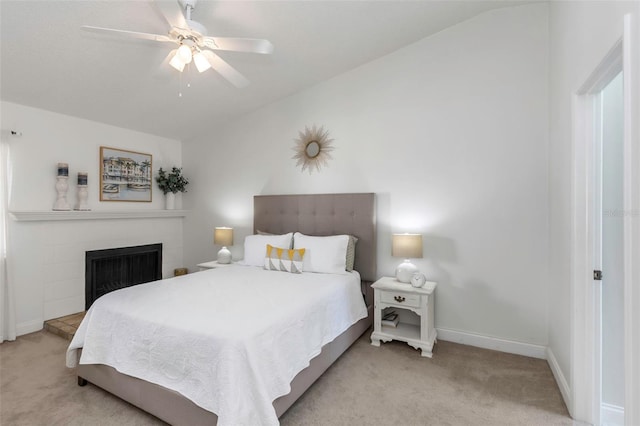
<point>229,339</point>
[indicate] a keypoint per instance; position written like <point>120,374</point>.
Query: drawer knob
<point>398,299</point>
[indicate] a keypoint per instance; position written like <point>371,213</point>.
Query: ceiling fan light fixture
<point>190,42</point>
<point>176,62</point>
<point>202,64</point>
<point>184,53</point>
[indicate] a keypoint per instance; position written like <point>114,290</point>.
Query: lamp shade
<point>223,236</point>
<point>408,246</point>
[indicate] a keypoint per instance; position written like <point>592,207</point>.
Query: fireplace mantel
<point>43,216</point>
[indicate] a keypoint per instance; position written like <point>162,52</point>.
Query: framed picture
<point>124,175</point>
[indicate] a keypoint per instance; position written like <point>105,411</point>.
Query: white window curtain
<point>7,307</point>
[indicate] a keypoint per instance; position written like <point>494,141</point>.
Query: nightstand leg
<point>426,354</point>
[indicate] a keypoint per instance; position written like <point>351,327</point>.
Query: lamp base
<point>224,256</point>
<point>405,271</point>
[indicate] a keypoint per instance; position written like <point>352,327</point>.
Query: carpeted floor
<point>389,385</point>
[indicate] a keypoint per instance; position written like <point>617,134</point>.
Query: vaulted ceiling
<point>47,62</point>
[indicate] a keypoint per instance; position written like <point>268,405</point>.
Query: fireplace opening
<point>112,269</point>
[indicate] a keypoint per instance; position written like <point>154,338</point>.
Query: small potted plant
<point>171,183</point>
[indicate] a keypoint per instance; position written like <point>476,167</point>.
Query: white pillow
<point>255,247</point>
<point>323,254</point>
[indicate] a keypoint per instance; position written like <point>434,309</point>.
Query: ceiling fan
<point>192,41</point>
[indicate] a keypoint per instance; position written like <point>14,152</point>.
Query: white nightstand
<point>414,306</point>
<point>212,265</point>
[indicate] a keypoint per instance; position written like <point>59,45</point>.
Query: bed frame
<point>323,214</point>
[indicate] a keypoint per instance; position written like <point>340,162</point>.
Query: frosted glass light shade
<point>177,63</point>
<point>184,53</point>
<point>202,64</point>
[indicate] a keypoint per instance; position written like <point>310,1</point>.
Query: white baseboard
<point>563,385</point>
<point>611,415</point>
<point>494,343</point>
<point>29,327</point>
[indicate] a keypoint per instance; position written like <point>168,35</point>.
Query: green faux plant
<point>172,181</point>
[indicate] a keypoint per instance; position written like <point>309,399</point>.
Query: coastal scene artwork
<point>124,175</point>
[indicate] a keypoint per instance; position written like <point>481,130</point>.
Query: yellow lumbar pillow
<point>284,259</point>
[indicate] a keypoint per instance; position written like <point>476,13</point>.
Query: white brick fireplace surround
<point>47,255</point>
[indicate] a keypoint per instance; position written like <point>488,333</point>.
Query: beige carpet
<point>389,385</point>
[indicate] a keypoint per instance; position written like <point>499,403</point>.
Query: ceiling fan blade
<point>225,70</point>
<point>171,11</point>
<point>250,45</point>
<point>127,34</point>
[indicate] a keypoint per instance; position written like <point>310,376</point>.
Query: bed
<point>316,215</point>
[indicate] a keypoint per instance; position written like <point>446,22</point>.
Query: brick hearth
<point>64,326</point>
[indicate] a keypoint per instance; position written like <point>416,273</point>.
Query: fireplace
<point>113,269</point>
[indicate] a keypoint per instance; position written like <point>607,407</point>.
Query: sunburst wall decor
<point>312,148</point>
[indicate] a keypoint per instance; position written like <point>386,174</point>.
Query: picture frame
<point>125,175</point>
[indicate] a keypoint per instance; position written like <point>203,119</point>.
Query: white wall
<point>49,138</point>
<point>581,33</point>
<point>46,259</point>
<point>451,133</point>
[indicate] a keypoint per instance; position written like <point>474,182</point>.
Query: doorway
<point>586,380</point>
<point>609,247</point>
<point>586,377</point>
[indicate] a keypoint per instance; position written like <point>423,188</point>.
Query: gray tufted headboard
<point>323,214</point>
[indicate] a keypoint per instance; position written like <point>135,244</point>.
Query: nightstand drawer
<point>401,299</point>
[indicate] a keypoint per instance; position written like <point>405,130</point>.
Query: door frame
<point>631,190</point>
<point>585,346</point>
<point>585,293</point>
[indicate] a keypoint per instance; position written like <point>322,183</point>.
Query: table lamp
<point>408,246</point>
<point>223,236</point>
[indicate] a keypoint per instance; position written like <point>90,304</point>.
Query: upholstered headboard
<point>323,214</point>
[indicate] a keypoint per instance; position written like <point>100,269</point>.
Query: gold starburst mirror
<point>312,148</point>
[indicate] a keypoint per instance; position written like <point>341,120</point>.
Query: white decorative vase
<point>405,271</point>
<point>224,256</point>
<point>83,194</point>
<point>170,201</point>
<point>61,187</point>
